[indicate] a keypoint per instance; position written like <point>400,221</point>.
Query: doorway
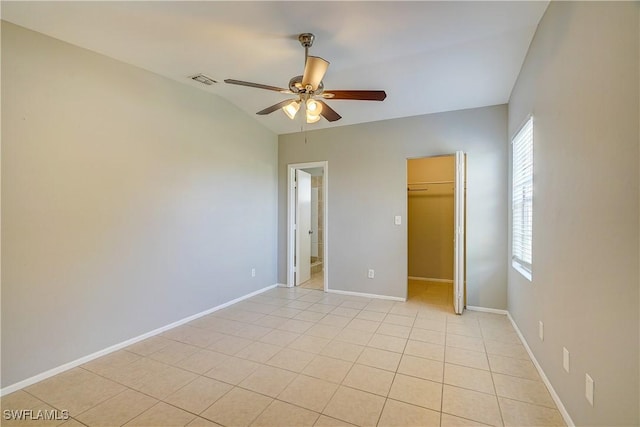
<point>436,238</point>
<point>307,245</point>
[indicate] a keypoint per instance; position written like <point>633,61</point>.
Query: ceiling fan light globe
<point>314,107</point>
<point>312,118</point>
<point>291,109</point>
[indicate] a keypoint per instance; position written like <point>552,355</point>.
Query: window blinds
<point>522,197</point>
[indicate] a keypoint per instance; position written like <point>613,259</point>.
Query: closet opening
<point>435,227</point>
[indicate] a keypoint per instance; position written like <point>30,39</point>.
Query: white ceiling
<point>428,56</point>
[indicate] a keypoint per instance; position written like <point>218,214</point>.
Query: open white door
<point>303,226</point>
<point>458,245</point>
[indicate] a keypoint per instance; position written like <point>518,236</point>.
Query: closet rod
<point>431,182</point>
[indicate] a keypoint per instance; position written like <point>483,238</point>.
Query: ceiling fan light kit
<point>308,86</point>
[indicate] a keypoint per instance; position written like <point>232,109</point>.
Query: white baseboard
<point>554,395</point>
<point>57,370</point>
<point>487,310</point>
<point>362,294</point>
<point>428,279</point>
<point>283,285</point>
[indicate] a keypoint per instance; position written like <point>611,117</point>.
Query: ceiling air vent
<point>203,79</point>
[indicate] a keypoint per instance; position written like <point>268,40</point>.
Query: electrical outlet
<point>565,359</point>
<point>589,385</point>
<point>541,330</point>
<point>371,274</point>
<point>253,272</point>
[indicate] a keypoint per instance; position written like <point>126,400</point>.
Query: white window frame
<point>522,199</point>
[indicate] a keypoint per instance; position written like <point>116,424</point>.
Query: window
<point>522,198</point>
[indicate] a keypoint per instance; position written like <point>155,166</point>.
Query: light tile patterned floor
<point>300,357</point>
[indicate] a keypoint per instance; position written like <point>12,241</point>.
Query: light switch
<point>398,220</point>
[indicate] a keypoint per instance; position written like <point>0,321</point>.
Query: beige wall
<point>580,81</point>
<point>368,186</point>
<point>430,212</point>
<point>129,201</point>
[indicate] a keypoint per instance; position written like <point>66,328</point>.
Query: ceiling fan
<point>309,89</point>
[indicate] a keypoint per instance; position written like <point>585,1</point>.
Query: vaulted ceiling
<point>428,56</point>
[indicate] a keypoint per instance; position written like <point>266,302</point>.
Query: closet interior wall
<point>431,217</point>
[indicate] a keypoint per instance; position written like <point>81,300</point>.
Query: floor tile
<point>355,406</point>
<point>516,414</point>
<point>403,414</point>
<point>174,352</point>
<point>466,343</point>
<point>111,364</point>
<point>323,331</point>
<point>310,316</point>
<point>117,410</point>
<point>342,350</point>
<point>469,358</point>
<point>230,345</point>
<point>425,349</point>
<point>374,316</point>
<point>202,422</point>
<point>354,336</point>
<point>161,415</point>
<point>471,404</point>
<point>308,392</point>
<point>379,305</point>
<point>363,325</point>
<point>369,379</point>
<point>234,371</point>
<point>169,381</point>
<point>416,391</point>
<point>325,421</point>
<point>514,367</point>
<point>309,344</point>
<point>291,360</point>
<point>268,380</point>
<point>396,319</point>
<point>21,400</point>
<point>465,330</point>
<point>198,395</point>
<point>202,361</point>
<point>238,407</point>
<point>342,356</point>
<point>149,346</point>
<point>357,304</point>
<point>75,390</point>
<point>328,368</point>
<point>282,414</point>
<point>394,330</point>
<point>430,324</point>
<point>296,325</point>
<point>507,350</point>
<point>382,359</point>
<point>522,389</point>
<point>259,351</point>
<point>422,368</point>
<point>433,337</point>
<point>448,420</point>
<point>386,342</point>
<point>280,338</point>
<point>470,378</point>
<point>252,332</point>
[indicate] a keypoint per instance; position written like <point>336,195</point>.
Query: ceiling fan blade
<point>274,107</point>
<point>257,85</point>
<point>356,95</point>
<point>314,71</point>
<point>328,112</point>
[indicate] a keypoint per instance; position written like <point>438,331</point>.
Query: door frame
<point>461,271</point>
<point>291,217</point>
